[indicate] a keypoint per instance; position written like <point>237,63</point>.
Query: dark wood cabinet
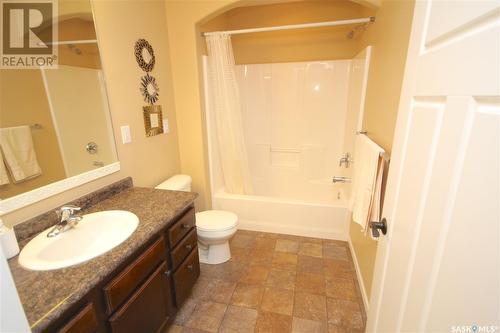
<point>117,291</point>
<point>184,248</point>
<point>85,321</point>
<point>179,229</point>
<point>146,291</point>
<point>148,309</point>
<point>185,277</point>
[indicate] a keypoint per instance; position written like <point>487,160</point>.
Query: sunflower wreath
<point>149,89</point>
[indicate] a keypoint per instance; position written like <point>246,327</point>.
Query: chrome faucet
<point>68,220</point>
<point>345,159</point>
<point>341,179</point>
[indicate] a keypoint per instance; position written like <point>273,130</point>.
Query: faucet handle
<point>72,208</point>
<point>67,210</point>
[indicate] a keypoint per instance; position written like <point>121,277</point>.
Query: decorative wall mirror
<point>144,55</point>
<point>149,89</point>
<point>153,120</point>
<point>62,111</point>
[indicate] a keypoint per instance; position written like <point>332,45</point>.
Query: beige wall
<point>23,102</point>
<point>329,43</point>
<point>147,160</point>
<point>389,37</point>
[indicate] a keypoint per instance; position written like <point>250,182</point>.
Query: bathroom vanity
<point>136,287</point>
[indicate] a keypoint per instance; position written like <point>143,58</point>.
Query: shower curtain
<point>225,103</point>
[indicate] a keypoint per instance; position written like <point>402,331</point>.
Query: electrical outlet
<point>126,137</point>
<point>166,128</point>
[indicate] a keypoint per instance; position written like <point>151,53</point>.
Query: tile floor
<point>276,283</point>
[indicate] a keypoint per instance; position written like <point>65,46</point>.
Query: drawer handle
<point>185,226</point>
<point>189,268</point>
<point>189,247</point>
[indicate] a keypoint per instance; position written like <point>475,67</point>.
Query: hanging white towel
<point>4,177</point>
<point>19,153</point>
<point>367,181</point>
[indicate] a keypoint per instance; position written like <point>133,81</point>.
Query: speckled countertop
<point>45,295</point>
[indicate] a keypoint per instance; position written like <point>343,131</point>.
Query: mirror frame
<point>19,201</point>
<point>27,198</point>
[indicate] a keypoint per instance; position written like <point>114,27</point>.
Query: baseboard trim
<point>360,278</point>
<point>291,230</point>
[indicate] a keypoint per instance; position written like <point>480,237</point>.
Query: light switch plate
<point>166,129</point>
<point>126,137</point>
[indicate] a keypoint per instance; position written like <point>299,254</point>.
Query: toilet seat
<point>216,220</point>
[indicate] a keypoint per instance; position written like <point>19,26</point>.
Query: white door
<point>437,270</point>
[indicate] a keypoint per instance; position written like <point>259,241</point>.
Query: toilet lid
<point>216,220</point>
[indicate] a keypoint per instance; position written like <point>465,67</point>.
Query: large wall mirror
<point>55,125</point>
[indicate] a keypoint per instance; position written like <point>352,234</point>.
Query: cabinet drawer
<point>117,291</point>
<point>185,277</point>
<point>184,247</point>
<point>181,228</point>
<point>147,310</point>
<point>84,321</point>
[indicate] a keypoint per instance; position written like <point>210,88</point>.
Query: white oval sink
<point>94,235</point>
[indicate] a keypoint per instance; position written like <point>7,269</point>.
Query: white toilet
<point>214,227</point>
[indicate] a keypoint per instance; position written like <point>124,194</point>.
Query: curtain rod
<point>295,26</point>
<point>67,42</point>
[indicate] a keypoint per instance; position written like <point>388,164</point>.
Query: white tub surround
<point>294,117</point>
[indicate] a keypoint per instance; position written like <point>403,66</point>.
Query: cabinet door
<point>148,309</point>
<point>185,277</point>
<point>84,321</point>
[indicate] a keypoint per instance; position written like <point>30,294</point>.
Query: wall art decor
<point>144,55</point>
<point>153,120</point>
<point>149,89</point>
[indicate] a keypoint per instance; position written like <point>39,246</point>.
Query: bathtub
<point>292,155</point>
<point>287,216</point>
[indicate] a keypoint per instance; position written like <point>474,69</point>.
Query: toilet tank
<point>176,183</point>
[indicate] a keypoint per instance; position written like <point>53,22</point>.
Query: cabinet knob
<point>185,226</point>
<point>189,268</point>
<point>168,273</point>
<point>189,247</point>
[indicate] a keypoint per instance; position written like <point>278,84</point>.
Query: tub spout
<point>341,179</point>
